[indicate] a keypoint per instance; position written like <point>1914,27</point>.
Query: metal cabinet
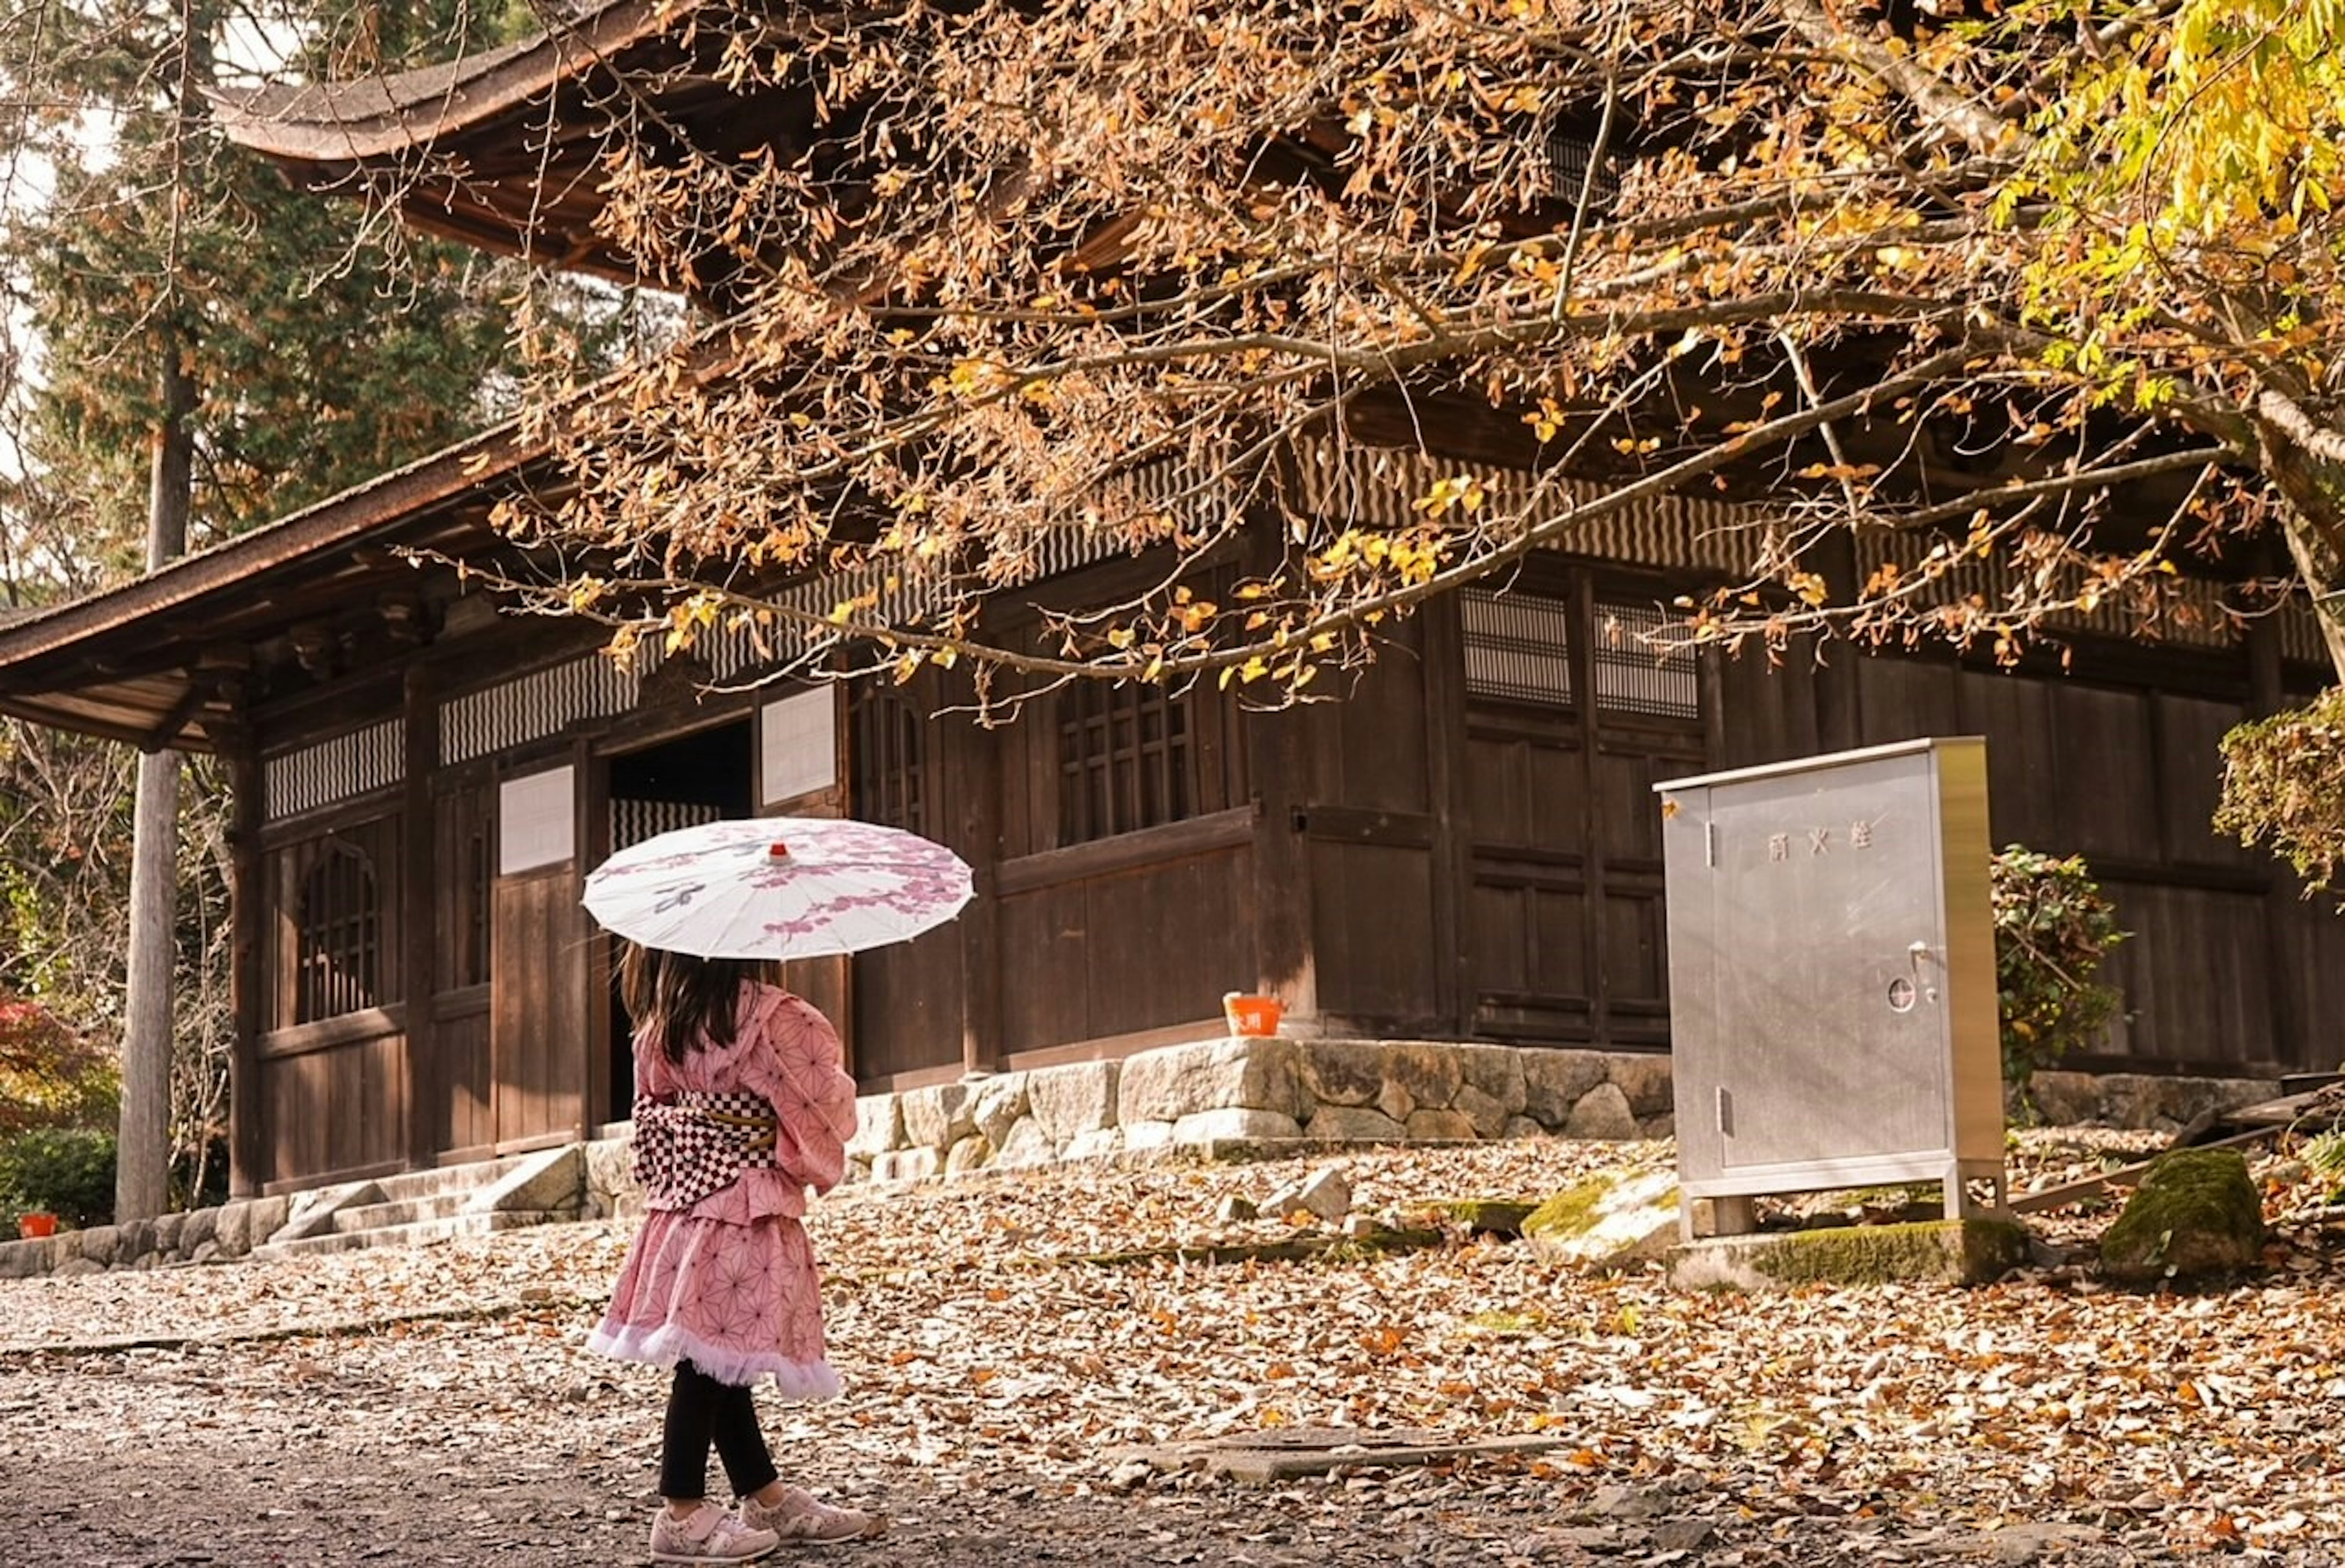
<point>1831,976</point>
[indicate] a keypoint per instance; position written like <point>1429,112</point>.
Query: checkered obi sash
<point>697,1143</point>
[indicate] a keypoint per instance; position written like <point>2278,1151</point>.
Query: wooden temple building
<point>1465,848</point>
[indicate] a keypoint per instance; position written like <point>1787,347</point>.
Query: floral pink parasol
<point>777,888</point>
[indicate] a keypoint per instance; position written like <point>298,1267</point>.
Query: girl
<point>741,1104</point>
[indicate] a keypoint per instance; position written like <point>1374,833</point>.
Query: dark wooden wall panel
<point>2190,782</point>
<point>1372,909</point>
<point>465,1113</point>
<point>908,1005</point>
<point>1757,713</point>
<point>537,1028</point>
<point>335,1109</point>
<point>2109,790</point>
<point>2016,716</point>
<point>1136,949</point>
<point>2191,975</point>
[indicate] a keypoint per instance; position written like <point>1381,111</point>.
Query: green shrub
<point>2284,785</point>
<point>2053,928</point>
<point>69,1171</point>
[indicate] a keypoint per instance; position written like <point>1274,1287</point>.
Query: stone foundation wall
<point>1259,1091</point>
<point>219,1235</point>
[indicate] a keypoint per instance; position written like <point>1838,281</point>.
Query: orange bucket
<point>1255,1017</point>
<point>36,1224</point>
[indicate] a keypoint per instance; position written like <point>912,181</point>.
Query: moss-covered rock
<point>1487,1216</point>
<point>2195,1214</point>
<point>1956,1251</point>
<point>1607,1221</point>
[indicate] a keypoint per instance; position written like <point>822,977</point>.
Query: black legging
<point>700,1411</point>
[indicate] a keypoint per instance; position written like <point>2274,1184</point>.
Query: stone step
<point>446,1179</point>
<point>401,1212</point>
<point>413,1232</point>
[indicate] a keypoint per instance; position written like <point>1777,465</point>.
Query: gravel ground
<point>432,1406</point>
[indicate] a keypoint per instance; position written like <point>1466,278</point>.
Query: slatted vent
<point>543,703</point>
<point>1632,676</point>
<point>634,821</point>
<point>1519,647</point>
<point>334,771</point>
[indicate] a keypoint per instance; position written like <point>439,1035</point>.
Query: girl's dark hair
<point>684,999</point>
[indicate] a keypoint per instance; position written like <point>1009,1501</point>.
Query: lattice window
<point>1125,760</point>
<point>339,930</point>
<point>886,764</point>
<point>1634,675</point>
<point>1518,647</point>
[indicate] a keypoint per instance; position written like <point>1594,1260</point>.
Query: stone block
<point>200,1228</point>
<point>878,1125</point>
<point>1343,1072</point>
<point>1555,1081</point>
<point>1027,1145</point>
<point>1074,1099</point>
<point>1644,1079</point>
<point>133,1239</point>
<point>938,1115</point>
<point>1601,1113</point>
<point>1325,1193</point>
<point>23,1259</point>
<point>1394,1100</point>
<point>97,1242</point>
<point>1495,1071</point>
<point>233,1229</point>
<point>1429,1072</point>
<point>1176,1081</point>
<point>1607,1221</point>
<point>1441,1127</point>
<point>1354,1124</point>
<point>68,1268</point>
<point>1236,1124</point>
<point>1139,1136</point>
<point>1523,1127</point>
<point>207,1251</point>
<point>971,1153</point>
<point>1097,1144</point>
<point>1487,1114</point>
<point>1955,1251</point>
<point>269,1214</point>
<point>167,1228</point>
<point>917,1164</point>
<point>311,1213</point>
<point>996,1104</point>
<point>549,1182</point>
<point>1657,1127</point>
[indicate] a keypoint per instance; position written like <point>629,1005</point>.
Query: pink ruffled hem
<point>666,1345</point>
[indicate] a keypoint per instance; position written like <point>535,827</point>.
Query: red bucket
<point>30,1225</point>
<point>1253,1018</point>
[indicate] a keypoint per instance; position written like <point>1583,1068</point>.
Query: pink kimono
<point>729,1283</point>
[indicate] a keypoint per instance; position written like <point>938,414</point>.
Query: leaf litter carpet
<point>433,1405</point>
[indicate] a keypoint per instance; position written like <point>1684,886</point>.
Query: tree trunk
<point>2306,465</point>
<point>143,1146</point>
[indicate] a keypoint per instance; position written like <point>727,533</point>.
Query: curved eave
<point>381,118</point>
<point>156,661</point>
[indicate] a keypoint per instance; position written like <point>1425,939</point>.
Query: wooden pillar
<point>426,1086</point>
<point>590,842</point>
<point>1442,629</point>
<point>978,762</point>
<point>248,897</point>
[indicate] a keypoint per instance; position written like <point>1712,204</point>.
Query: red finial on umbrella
<point>780,851</point>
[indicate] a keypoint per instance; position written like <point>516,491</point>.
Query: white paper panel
<point>536,820</point>
<point>798,740</point>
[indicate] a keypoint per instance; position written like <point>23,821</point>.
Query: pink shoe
<point>709,1535</point>
<point>798,1520</point>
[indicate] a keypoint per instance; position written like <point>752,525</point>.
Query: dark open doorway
<point>705,776</point>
